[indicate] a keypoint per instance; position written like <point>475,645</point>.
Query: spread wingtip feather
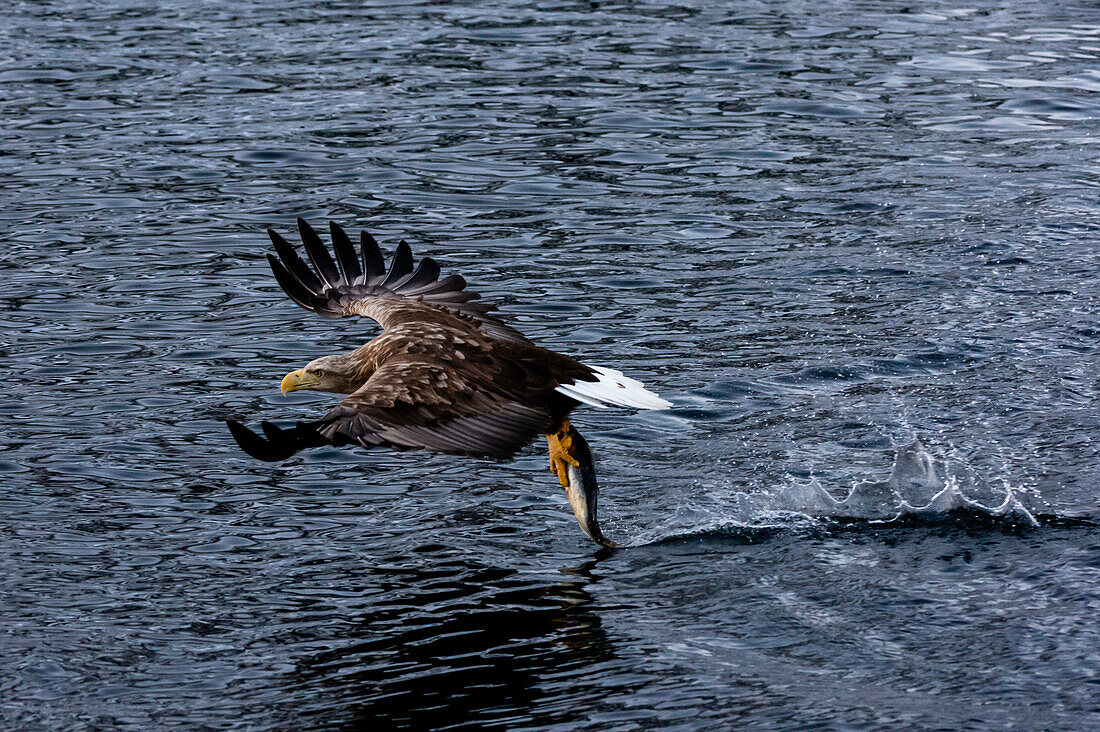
<point>331,287</point>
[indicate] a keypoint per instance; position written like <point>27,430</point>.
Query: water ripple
<point>819,230</point>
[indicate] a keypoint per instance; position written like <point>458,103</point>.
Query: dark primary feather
<point>345,254</point>
<point>406,289</point>
<point>318,254</point>
<point>294,263</point>
<point>374,265</point>
<point>454,284</point>
<point>290,284</point>
<point>426,272</point>
<point>400,266</point>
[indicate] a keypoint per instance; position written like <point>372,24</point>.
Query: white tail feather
<point>613,388</point>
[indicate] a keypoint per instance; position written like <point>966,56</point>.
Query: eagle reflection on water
<point>446,374</point>
<point>454,644</point>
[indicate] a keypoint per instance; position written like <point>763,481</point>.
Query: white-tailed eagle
<point>446,374</point>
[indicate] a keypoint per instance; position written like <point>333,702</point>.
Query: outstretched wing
<point>414,404</point>
<point>359,283</point>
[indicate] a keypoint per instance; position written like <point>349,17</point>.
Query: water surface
<point>857,247</point>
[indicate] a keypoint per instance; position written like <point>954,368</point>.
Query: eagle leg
<point>571,461</point>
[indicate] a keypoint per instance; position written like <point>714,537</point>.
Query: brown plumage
<point>445,375</point>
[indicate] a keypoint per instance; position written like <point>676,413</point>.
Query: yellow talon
<point>556,469</point>
<point>561,445</point>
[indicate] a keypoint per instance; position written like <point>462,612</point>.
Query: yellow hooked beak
<point>296,380</point>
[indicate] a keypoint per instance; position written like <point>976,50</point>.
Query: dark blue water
<point>857,245</point>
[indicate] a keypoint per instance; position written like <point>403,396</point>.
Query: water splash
<point>918,487</point>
